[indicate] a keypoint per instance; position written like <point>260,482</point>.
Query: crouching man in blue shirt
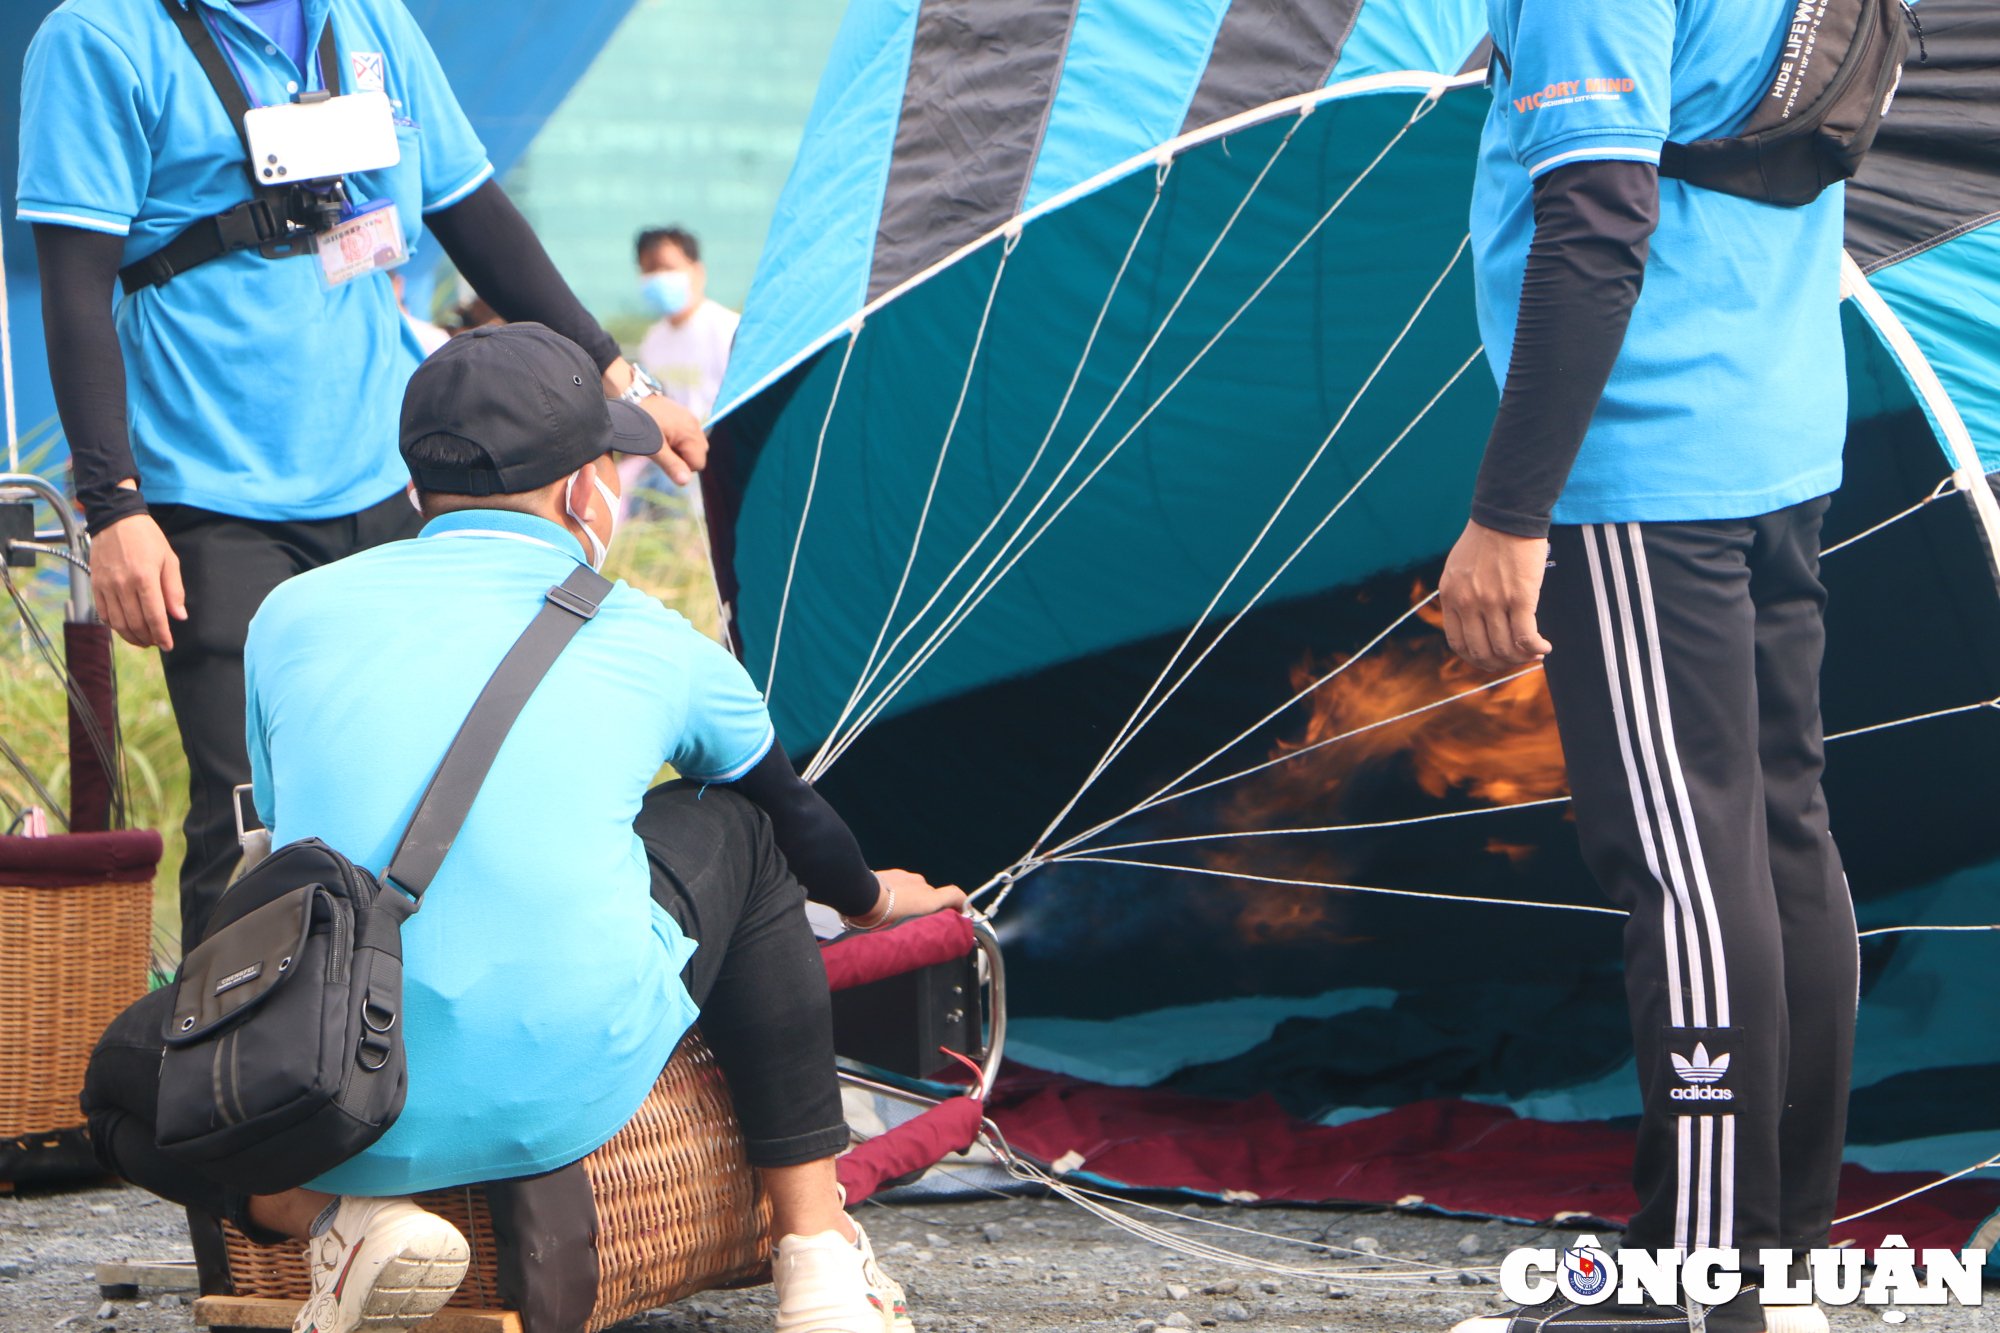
<point>584,917</point>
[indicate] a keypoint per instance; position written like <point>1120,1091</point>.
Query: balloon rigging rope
<point>1142,713</point>
<point>1233,834</point>
<point>989,578</point>
<point>812,484</point>
<point>937,470</point>
<point>1946,487</point>
<point>1415,1270</point>
<point>837,746</point>
<point>1001,886</point>
<point>868,677</point>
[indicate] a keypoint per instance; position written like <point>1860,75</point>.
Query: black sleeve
<point>1593,225</point>
<point>816,841</point>
<point>78,270</point>
<point>499,254</point>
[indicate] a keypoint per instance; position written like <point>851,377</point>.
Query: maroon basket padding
<point>87,651</point>
<point>856,960</point>
<point>912,1146</point>
<point>129,856</point>
<point>1453,1156</point>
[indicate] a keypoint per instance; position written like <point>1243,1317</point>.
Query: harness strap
<point>262,222</point>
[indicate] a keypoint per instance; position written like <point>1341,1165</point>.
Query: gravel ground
<point>996,1266</point>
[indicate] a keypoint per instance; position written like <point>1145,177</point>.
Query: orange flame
<point>1498,746</point>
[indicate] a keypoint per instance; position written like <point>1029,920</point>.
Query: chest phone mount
<point>281,217</point>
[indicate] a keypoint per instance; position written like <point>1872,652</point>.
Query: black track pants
<point>229,566</point>
<point>1686,685</point>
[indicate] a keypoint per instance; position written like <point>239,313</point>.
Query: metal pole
<point>81,609</point>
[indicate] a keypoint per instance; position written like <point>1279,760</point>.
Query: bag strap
<point>448,799</point>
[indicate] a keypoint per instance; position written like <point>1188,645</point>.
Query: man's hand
<point>914,896</point>
<point>683,447</point>
<point>136,580</point>
<point>1491,585</point>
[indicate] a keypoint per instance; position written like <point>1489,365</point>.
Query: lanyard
<point>229,50</point>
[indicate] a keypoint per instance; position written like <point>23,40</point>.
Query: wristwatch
<point>642,387</point>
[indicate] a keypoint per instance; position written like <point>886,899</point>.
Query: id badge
<point>368,242</point>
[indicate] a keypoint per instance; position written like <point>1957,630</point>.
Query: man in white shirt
<point>688,349</point>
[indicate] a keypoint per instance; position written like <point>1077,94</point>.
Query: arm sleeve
<point>87,368</point>
<point>500,255</point>
<point>816,842</point>
<point>1593,224</point>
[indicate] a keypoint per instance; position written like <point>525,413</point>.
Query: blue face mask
<point>667,292</point>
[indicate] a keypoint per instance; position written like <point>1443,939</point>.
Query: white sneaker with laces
<point>383,1264</point>
<point>829,1284</point>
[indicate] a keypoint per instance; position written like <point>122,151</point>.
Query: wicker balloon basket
<point>76,918</point>
<point>676,1210</point>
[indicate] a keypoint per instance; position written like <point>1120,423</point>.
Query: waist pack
<point>1836,74</point>
<point>284,1047</point>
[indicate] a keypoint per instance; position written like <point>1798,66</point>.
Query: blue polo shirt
<point>542,983</point>
<point>1729,398</point>
<point>251,389</point>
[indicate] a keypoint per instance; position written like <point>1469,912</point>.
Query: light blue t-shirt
<point>542,991</point>
<point>1729,397</point>
<point>252,390</point>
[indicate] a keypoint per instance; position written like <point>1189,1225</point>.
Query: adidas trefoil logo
<point>1699,1071</point>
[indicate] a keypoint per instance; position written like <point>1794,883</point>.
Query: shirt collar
<point>505,523</point>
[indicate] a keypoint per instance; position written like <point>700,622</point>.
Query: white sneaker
<point>828,1284</point>
<point>383,1264</point>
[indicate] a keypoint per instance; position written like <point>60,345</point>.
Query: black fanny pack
<point>1836,74</point>
<point>284,1048</point>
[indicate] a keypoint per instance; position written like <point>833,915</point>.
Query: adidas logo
<point>1700,1070</point>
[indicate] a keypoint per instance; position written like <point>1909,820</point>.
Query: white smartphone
<point>308,141</point>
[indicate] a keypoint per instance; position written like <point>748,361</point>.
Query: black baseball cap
<point>529,399</point>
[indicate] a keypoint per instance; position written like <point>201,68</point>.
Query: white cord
<point>1920,717</point>
<point>882,701</point>
<point>1077,859</point>
<point>1234,834</point>
<point>812,484</point>
<point>1141,713</point>
<point>1944,488</point>
<point>1921,1189</point>
<point>937,470</point>
<point>833,750</point>
<point>1062,409</point>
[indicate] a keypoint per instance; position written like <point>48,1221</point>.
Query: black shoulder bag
<point>283,1054</point>
<point>1837,72</point>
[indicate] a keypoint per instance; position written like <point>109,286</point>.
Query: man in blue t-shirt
<point>584,915</point>
<point>232,419</point>
<point>1647,519</point>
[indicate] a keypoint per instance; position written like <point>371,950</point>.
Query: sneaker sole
<point>413,1286</point>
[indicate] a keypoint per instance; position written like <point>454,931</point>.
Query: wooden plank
<point>149,1274</point>
<point>255,1312</point>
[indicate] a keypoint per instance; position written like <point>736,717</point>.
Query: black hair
<point>657,236</point>
<point>443,451</point>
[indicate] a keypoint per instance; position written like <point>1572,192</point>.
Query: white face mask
<point>598,548</point>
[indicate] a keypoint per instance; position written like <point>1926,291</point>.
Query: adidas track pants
<point>1686,684</point>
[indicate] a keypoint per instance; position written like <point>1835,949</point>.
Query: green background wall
<point>691,115</point>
